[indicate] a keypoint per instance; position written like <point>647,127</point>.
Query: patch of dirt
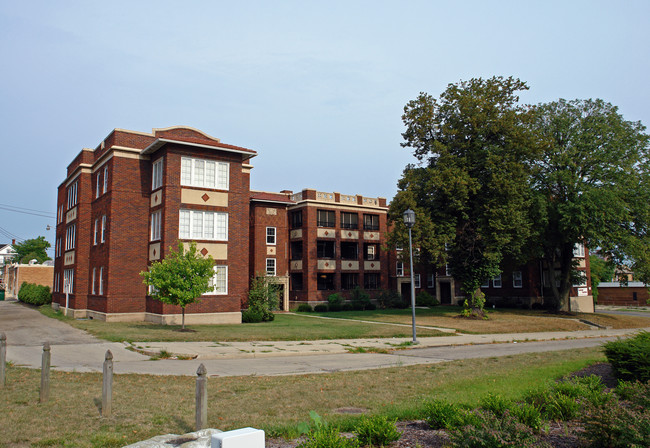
<point>417,433</point>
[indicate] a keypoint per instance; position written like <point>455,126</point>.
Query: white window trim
<point>520,278</point>
<point>105,179</point>
<point>399,268</point>
<point>70,234</point>
<point>221,173</point>
<point>103,237</point>
<point>486,284</point>
<point>213,281</point>
<point>99,175</point>
<point>194,214</point>
<point>156,219</point>
<point>72,194</point>
<point>96,231</point>
<point>156,174</point>
<point>416,277</point>
<point>92,289</point>
<point>271,274</point>
<point>68,281</point>
<point>274,236</point>
<point>431,281</point>
<point>579,250</point>
<point>101,281</point>
<point>496,281</point>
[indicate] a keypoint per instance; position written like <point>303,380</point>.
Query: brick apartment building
<point>124,203</point>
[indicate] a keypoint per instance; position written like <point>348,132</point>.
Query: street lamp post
<point>409,221</point>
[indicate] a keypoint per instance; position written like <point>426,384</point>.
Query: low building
<point>618,294</point>
<point>16,274</point>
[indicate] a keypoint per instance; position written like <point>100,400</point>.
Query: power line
<point>34,213</point>
<point>10,235</point>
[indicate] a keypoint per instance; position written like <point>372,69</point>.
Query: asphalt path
<point>74,350</point>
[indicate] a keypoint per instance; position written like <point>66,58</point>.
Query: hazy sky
<point>317,88</point>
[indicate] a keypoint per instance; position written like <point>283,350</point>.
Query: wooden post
<point>107,385</point>
<point>3,359</point>
<point>201,398</point>
<point>45,373</point>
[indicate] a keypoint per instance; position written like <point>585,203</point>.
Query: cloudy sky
<point>317,88</point>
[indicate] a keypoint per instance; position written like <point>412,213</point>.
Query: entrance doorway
<point>445,293</point>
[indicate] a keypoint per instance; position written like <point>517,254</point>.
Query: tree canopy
<point>180,278</point>
<point>500,183</point>
<point>34,248</point>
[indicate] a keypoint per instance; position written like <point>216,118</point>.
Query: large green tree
<point>591,184</point>
<point>471,188</point>
<point>34,248</point>
<point>180,278</point>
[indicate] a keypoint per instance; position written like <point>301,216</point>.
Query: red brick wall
<point>623,296</point>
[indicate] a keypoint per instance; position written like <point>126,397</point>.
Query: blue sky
<point>317,88</point>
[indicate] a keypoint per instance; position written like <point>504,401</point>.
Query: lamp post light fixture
<point>409,221</point>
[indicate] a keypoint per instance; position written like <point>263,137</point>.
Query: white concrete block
<point>239,438</point>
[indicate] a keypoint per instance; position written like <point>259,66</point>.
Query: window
<point>68,281</point>
<point>92,288</point>
<point>204,173</point>
<point>155,225</point>
<point>296,250</point>
<point>496,281</point>
<point>202,225</point>
<point>270,267</point>
<point>56,282</point>
<point>517,280</point>
<point>296,219</point>
<point>580,279</point>
<point>99,178</point>
<point>431,281</point>
<point>270,236</point>
<point>486,283</point>
<point>296,281</point>
<point>370,222</point>
<point>72,195</point>
<point>349,251</point>
<point>96,232</point>
<point>70,237</point>
<point>325,249</point>
<point>57,248</point>
<point>447,270</point>
<point>579,250</point>
<point>546,281</point>
<point>349,220</point>
<point>103,228</point>
<point>219,281</point>
<point>371,281</point>
<point>105,179</point>
<point>326,218</point>
<point>325,282</point>
<point>101,281</point>
<point>416,278</point>
<point>59,214</point>
<point>370,251</point>
<point>400,269</point>
<point>349,281</point>
<point>157,174</point>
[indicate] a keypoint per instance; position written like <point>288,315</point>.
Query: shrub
<point>495,404</point>
<point>562,401</point>
<point>335,302</point>
<point>324,436</point>
<point>389,298</point>
<point>347,307</point>
<point>440,414</point>
<point>490,431</point>
<point>360,299</point>
<point>612,424</point>
<point>423,298</point>
<point>630,358</point>
<point>320,308</point>
<point>262,299</point>
<point>304,308</point>
<point>376,431</point>
<point>252,316</point>
<point>34,294</point>
<point>636,392</point>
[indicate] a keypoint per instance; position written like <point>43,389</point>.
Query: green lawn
<point>145,406</point>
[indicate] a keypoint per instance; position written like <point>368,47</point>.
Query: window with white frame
<point>103,228</point>
<point>431,281</point>
<point>580,279</point>
<point>219,281</point>
<point>59,214</point>
<point>447,270</point>
<point>72,194</point>
<point>97,183</point>
<point>105,179</point>
<point>68,281</point>
<point>101,281</point>
<point>92,288</point>
<point>155,225</point>
<point>57,250</point>
<point>56,282</point>
<point>157,174</point>
<point>400,269</point>
<point>517,279</point>
<point>270,236</point>
<point>202,225</point>
<point>270,267</point>
<point>579,250</point>
<point>204,173</point>
<point>486,283</point>
<point>96,233</point>
<point>416,277</point>
<point>70,234</point>
<point>496,281</point>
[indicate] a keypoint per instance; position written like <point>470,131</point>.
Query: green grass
<point>145,406</point>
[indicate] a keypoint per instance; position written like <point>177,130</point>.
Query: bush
<point>423,298</point>
<point>376,431</point>
<point>490,431</point>
<point>252,316</point>
<point>335,302</point>
<point>320,308</point>
<point>304,308</point>
<point>347,307</point>
<point>390,299</point>
<point>529,415</point>
<point>495,404</point>
<point>360,299</point>
<point>562,401</point>
<point>630,358</point>
<point>324,436</point>
<point>262,300</point>
<point>636,392</point>
<point>440,414</point>
<point>34,294</point>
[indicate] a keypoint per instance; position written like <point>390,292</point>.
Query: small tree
<point>262,300</point>
<point>180,278</point>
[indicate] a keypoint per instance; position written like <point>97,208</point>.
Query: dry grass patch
<point>144,406</point>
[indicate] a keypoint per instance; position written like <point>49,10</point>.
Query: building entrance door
<point>445,293</point>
